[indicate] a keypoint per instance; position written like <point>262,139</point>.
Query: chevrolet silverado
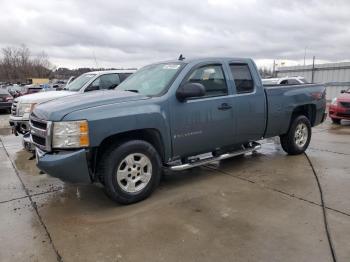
<point>174,115</point>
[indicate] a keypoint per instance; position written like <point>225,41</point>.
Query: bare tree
<point>42,65</point>
<point>17,64</point>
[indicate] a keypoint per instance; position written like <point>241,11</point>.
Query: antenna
<point>181,57</point>
<point>93,53</point>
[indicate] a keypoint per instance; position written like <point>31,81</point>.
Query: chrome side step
<point>255,146</point>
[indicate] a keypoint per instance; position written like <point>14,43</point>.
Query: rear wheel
<point>130,171</point>
<point>298,137</point>
<point>336,121</point>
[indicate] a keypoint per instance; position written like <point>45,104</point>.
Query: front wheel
<point>130,171</point>
<point>298,137</point>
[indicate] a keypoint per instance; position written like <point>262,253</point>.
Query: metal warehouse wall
<point>336,76</point>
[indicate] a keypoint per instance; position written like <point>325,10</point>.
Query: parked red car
<point>340,107</point>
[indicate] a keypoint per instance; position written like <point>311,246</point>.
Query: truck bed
<point>282,101</point>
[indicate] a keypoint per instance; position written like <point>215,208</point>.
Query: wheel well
<point>307,110</point>
<point>152,136</point>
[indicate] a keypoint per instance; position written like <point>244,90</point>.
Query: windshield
<point>78,83</point>
<point>151,80</point>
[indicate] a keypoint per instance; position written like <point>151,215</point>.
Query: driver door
<point>203,124</point>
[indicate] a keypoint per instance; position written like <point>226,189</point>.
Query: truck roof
<point>207,59</point>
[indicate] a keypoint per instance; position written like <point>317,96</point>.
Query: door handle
<point>224,106</point>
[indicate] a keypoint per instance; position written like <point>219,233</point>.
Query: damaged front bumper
<point>69,166</point>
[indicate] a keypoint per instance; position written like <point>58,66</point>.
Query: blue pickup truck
<point>174,115</point>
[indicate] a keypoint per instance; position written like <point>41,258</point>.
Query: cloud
<point>134,33</point>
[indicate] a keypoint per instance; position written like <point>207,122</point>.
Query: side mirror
<point>113,86</point>
<point>92,88</point>
<point>190,90</point>
<point>342,91</point>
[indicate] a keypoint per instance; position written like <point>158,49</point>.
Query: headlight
<point>334,102</point>
<point>70,134</point>
<point>25,108</point>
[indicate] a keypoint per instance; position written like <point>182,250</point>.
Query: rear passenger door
<point>202,124</point>
<point>249,102</point>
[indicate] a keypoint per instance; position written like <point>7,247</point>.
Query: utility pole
<point>313,69</point>
<point>273,68</point>
<point>305,54</point>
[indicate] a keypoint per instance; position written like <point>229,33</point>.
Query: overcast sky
<point>134,33</point>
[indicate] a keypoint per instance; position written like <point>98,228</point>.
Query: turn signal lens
<point>84,140</point>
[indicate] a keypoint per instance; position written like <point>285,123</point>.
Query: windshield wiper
<point>132,90</point>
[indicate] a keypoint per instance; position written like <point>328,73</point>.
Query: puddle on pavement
<point>23,163</point>
<point>5,131</point>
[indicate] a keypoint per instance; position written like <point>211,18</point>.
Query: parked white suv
<point>97,80</point>
<point>288,80</point>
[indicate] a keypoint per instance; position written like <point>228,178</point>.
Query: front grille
<point>39,140</point>
<point>40,132</point>
<point>345,104</point>
<point>37,124</point>
<point>14,111</point>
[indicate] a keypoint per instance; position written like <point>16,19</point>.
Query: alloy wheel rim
<point>301,135</point>
<point>134,172</point>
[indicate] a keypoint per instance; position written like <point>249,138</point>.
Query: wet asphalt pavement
<point>262,207</point>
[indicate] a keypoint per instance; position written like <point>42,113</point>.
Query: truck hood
<point>57,109</point>
<point>43,96</point>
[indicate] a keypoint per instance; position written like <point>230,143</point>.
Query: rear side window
<point>212,78</point>
<point>123,76</point>
<point>242,77</point>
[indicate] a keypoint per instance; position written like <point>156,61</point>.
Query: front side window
<point>109,81</point>
<point>79,82</point>
<point>151,80</point>
<point>212,78</point>
<point>242,77</point>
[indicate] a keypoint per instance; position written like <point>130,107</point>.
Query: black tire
<point>288,141</point>
<point>336,121</point>
<point>113,157</point>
